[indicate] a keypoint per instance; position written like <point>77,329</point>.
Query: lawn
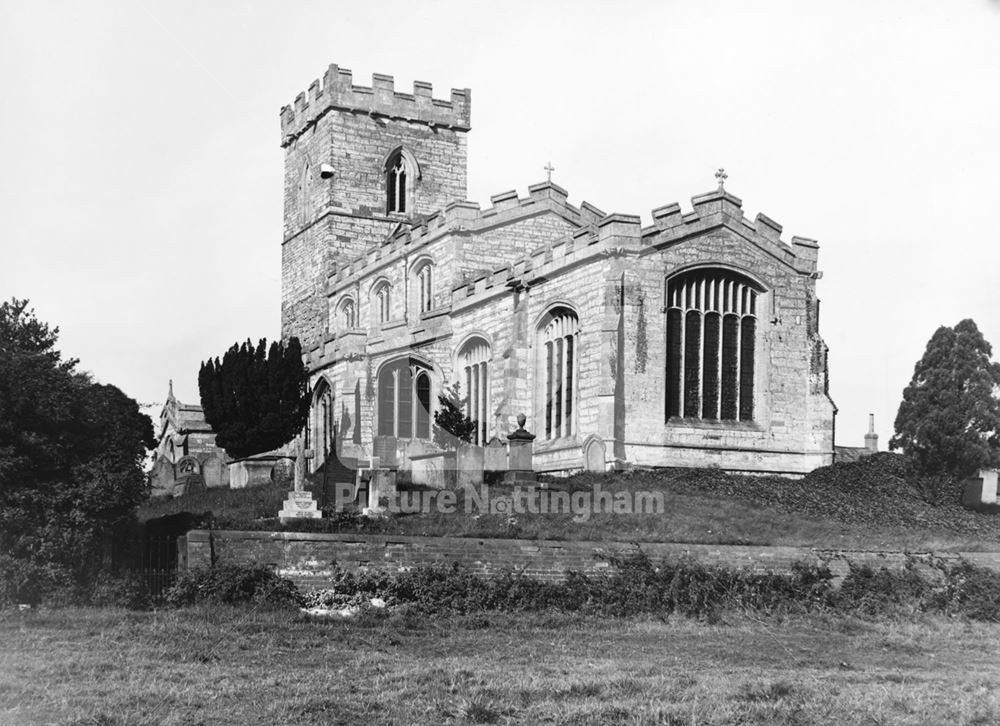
<point>222,666</point>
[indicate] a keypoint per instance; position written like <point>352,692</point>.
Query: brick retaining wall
<point>309,558</point>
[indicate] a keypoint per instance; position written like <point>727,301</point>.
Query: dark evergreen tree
<point>256,398</point>
<point>71,455</point>
<point>451,425</point>
<point>949,420</point>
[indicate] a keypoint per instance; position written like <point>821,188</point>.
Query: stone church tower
<point>358,162</point>
<point>693,341</point>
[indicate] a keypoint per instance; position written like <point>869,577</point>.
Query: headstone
<point>187,466</point>
<point>593,454</point>
<point>469,465</point>
<point>495,455</point>
<point>381,489</point>
<point>215,473</point>
<point>161,478</point>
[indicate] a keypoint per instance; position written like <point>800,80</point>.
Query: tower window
<point>395,184</point>
<point>711,345</point>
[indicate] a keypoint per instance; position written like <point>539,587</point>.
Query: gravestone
<point>495,455</point>
<point>593,454</point>
<point>161,478</point>
<point>300,503</point>
<point>215,472</point>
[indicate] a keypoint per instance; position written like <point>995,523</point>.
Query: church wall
<point>494,248</point>
<point>792,427</point>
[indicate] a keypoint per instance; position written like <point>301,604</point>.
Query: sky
<point>141,181</point>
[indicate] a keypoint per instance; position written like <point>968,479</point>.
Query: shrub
<point>233,585</point>
<point>871,593</point>
<point>121,591</point>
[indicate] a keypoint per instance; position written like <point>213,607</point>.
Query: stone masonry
<point>503,272</point>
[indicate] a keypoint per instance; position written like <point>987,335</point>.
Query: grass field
<point>198,666</point>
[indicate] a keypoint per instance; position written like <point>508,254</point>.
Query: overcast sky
<point>140,192</point>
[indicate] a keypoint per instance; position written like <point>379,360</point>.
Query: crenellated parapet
<point>467,217</point>
<point>336,90</point>
<point>721,207</point>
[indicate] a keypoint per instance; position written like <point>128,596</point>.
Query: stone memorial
<point>520,468</point>
<point>300,504</point>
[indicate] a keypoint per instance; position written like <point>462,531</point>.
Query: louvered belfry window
<point>395,182</point>
<point>711,345</point>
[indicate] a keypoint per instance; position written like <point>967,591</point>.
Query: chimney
<point>871,438</point>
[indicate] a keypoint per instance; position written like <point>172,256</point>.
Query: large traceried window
<point>557,346</point>
<point>474,364</point>
<point>711,345</point>
<point>381,303</point>
<point>404,400</point>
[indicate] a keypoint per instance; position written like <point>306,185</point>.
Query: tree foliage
<point>71,455</point>
<point>451,425</point>
<point>256,398</point>
<point>949,419</point>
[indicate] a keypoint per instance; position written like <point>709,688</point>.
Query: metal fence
<point>149,561</point>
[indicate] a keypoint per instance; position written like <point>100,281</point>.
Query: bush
<point>121,591</point>
<point>233,585</point>
<point>635,587</point>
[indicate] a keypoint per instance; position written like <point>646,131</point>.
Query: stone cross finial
<point>721,175</point>
<point>549,169</point>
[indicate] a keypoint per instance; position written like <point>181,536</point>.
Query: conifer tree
<point>451,425</point>
<point>949,420</point>
<point>256,398</point>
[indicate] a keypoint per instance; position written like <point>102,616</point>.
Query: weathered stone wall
<point>354,129</point>
<point>309,558</point>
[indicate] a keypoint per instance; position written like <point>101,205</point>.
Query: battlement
<point>337,91</point>
<point>469,217</point>
<point>670,222</point>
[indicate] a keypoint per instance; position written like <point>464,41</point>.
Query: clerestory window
<point>711,345</point>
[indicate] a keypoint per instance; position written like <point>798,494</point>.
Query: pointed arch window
<point>346,314</point>
<point>404,400</point>
<point>711,345</point>
<point>423,287</point>
<point>381,303</point>
<point>321,424</point>
<point>474,365</point>
<point>400,173</point>
<point>557,345</point>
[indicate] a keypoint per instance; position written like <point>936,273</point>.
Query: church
<point>691,342</point>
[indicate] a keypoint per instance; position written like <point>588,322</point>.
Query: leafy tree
<point>949,419</point>
<point>256,399</point>
<point>451,425</point>
<point>71,454</point>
